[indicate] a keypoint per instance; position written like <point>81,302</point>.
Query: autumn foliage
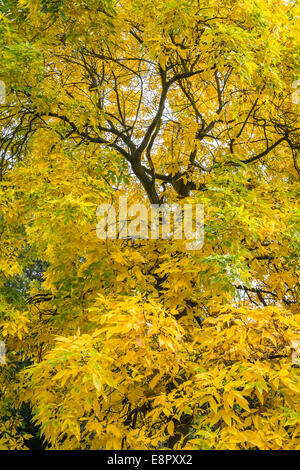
<point>142,344</point>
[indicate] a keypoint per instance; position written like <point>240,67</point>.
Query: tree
<point>141,344</point>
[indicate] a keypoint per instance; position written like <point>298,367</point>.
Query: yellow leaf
<point>171,428</point>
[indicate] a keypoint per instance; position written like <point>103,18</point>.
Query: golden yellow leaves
<point>85,366</point>
<point>241,408</point>
<point>251,333</point>
<point>15,324</point>
<point>170,428</point>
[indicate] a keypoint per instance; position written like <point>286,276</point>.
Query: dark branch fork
<point>119,135</point>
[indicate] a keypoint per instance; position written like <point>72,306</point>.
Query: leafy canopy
<point>140,344</point>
